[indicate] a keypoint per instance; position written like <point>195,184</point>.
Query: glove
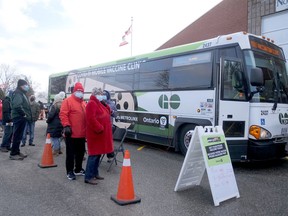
<point>67,131</point>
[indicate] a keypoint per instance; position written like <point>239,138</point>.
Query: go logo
<point>164,101</point>
<point>283,119</point>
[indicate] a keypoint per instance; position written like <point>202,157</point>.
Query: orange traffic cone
<point>47,157</point>
<point>125,193</point>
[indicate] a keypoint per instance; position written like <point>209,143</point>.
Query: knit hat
<point>78,87</point>
<point>62,94</point>
<point>21,82</point>
<point>57,98</point>
<point>96,91</point>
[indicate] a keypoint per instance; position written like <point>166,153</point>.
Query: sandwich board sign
<point>208,151</point>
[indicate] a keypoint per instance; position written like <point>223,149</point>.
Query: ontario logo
<point>164,101</point>
<point>283,118</point>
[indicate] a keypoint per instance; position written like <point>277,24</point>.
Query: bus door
<point>234,106</point>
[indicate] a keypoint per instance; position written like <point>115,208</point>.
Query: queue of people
<point>86,122</point>
<point>71,119</point>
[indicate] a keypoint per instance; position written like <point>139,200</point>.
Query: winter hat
<point>96,91</point>
<point>78,87</point>
<point>62,94</point>
<point>21,82</point>
<point>57,98</point>
<point>105,92</point>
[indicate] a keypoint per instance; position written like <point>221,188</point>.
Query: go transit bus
<point>238,81</point>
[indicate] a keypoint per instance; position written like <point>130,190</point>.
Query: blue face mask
<point>101,97</point>
<point>25,88</point>
<point>79,94</point>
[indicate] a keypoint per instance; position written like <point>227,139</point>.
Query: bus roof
<point>239,37</point>
<point>58,74</point>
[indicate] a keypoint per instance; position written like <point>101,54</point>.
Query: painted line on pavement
<point>140,148</point>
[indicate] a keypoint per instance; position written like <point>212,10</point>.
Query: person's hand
<point>67,131</point>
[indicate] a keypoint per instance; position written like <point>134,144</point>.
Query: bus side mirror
<point>256,77</point>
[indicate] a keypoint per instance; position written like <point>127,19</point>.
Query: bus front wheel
<point>185,137</point>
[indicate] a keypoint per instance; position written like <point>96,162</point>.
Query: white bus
<point>238,81</point>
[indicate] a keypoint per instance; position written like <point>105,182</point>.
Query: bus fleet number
<point>206,45</point>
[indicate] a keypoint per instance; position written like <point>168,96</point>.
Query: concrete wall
<point>257,9</point>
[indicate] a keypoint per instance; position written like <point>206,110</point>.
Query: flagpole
<point>131,33</point>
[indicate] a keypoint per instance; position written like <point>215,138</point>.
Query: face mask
<point>25,88</point>
<point>101,97</point>
<point>104,97</point>
<point>79,94</point>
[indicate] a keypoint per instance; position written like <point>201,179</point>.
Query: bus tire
<point>185,136</point>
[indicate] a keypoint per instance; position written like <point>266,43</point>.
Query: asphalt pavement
<point>27,189</point>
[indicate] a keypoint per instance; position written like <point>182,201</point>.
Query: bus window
<point>191,71</point>
<point>57,84</point>
<point>125,80</point>
<point>196,76</point>
<point>233,87</point>
<point>154,80</point>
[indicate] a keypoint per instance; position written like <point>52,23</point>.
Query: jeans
<point>75,150</point>
<point>7,138</point>
<point>18,129</point>
<point>92,166</point>
<point>55,143</point>
<point>30,126</point>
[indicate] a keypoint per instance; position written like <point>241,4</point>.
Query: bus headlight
<point>259,132</point>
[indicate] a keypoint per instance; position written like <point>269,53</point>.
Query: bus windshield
<point>275,89</point>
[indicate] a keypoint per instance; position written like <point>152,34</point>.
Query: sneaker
<point>81,173</point>
<point>22,155</point>
<point>91,181</point>
<point>71,176</point>
<point>22,145</point>
<point>16,157</point>
<point>31,144</point>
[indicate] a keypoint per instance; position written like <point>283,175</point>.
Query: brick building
<point>261,17</point>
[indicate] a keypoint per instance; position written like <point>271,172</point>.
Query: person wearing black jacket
<point>21,113</point>
<point>54,124</point>
<point>7,123</point>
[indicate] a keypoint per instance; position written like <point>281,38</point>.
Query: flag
<point>124,42</point>
<point>129,30</point>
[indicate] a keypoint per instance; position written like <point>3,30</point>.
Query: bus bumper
<point>266,150</point>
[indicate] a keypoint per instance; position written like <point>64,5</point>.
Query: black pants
<point>18,129</point>
<point>75,150</point>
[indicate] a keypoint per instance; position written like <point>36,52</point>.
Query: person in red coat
<point>73,119</point>
<point>98,134</point>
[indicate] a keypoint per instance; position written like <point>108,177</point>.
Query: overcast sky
<point>41,37</point>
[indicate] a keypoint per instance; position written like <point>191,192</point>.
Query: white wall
<point>275,26</point>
